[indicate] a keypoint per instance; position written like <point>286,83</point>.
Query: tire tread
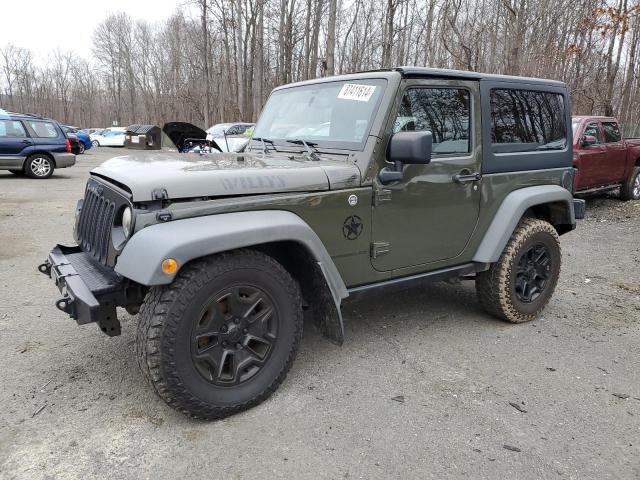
<point>493,286</point>
<point>160,316</point>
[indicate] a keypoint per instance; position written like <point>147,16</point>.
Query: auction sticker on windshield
<point>355,91</point>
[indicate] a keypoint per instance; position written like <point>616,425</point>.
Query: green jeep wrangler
<point>350,186</point>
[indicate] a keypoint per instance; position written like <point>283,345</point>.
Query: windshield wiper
<point>313,154</point>
<point>264,142</point>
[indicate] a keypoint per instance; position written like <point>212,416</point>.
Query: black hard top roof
<point>427,72</point>
<point>409,71</point>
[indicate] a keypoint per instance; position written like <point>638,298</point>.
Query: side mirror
<point>588,140</point>
<point>406,148</point>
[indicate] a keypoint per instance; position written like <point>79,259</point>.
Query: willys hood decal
<point>192,175</point>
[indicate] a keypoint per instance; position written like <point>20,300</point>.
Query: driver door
<point>430,214</point>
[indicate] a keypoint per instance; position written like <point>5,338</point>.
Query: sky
<point>43,25</point>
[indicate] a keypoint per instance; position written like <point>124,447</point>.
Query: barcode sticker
<point>356,91</point>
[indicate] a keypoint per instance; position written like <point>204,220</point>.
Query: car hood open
<point>225,174</point>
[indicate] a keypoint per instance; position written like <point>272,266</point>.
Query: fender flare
<point>511,211</point>
<point>192,238</point>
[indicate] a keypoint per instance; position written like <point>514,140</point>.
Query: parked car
<point>92,131</point>
<point>224,255</point>
<point>76,145</point>
<point>82,137</point>
<point>33,145</point>
<point>604,159</point>
<point>230,130</point>
<point>109,137</point>
<point>191,139</point>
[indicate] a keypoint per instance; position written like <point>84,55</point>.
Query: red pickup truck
<point>603,158</point>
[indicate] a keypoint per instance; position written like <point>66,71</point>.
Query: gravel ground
<point>426,385</point>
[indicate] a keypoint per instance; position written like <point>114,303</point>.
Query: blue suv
<point>33,145</point>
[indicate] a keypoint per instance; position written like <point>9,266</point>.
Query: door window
<point>44,129</point>
<point>527,120</point>
<point>611,132</point>
<point>593,130</point>
<point>12,129</point>
<point>446,112</point>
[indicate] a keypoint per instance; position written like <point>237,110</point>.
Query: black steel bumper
<point>579,207</point>
<point>91,292</point>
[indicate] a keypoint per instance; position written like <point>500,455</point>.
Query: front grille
<point>93,231</point>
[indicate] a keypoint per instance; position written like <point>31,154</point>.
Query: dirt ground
<point>426,385</point>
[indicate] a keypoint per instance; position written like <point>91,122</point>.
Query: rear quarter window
<point>527,120</point>
<point>43,129</point>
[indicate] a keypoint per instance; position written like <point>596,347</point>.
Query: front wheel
<point>222,337</point>
<point>39,166</point>
<point>519,285</point>
<point>95,143</point>
<point>630,190</point>
<point>81,149</point>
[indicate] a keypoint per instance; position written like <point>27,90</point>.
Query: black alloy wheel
<point>533,272</point>
<point>235,335</point>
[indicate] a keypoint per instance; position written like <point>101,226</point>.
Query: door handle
<point>466,178</point>
<point>26,141</point>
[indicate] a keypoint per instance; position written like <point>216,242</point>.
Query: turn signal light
<point>169,266</point>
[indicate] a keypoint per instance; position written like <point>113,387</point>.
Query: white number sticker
<point>356,91</point>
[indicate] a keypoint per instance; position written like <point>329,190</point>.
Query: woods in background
<point>219,59</point>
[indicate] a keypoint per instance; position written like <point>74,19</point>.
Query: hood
<point>224,174</point>
<point>178,132</point>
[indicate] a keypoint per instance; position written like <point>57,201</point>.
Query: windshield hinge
<point>159,194</point>
<point>380,248</point>
<point>381,195</point>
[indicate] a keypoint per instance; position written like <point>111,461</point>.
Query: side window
<point>446,112</point>
<point>11,129</point>
<point>44,129</point>
<point>527,120</point>
<point>611,132</point>
<point>593,130</point>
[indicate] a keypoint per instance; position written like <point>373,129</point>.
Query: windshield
<point>218,129</point>
<point>330,114</point>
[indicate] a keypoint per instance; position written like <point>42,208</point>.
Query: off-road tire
<point>630,189</point>
<point>39,159</point>
<point>165,331</point>
<point>496,287</point>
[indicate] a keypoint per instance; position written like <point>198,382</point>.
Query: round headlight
<point>126,222</point>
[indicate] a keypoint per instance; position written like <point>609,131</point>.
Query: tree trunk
<point>331,38</point>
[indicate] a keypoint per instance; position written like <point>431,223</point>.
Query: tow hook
<point>45,268</point>
<point>64,305</point>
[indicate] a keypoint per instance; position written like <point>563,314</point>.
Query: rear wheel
<point>630,190</point>
<point>222,337</point>
<point>519,285</point>
<point>39,166</point>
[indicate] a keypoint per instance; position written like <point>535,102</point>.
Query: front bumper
<point>91,292</point>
